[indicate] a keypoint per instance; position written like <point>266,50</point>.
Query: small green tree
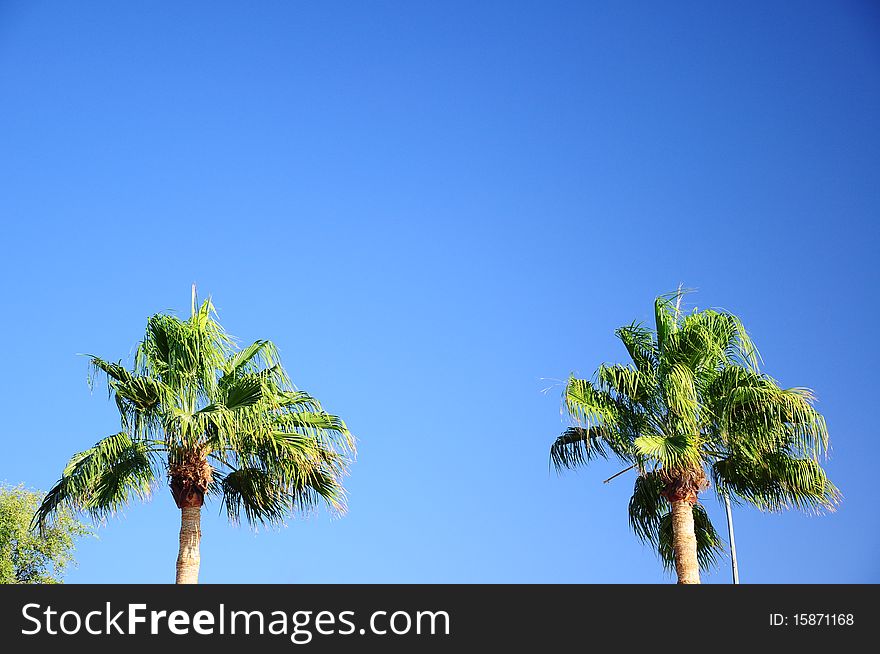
<point>25,556</point>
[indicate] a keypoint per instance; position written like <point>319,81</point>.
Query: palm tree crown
<point>690,407</point>
<point>215,420</point>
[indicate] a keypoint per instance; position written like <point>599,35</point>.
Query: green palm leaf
<point>576,446</point>
<point>102,479</point>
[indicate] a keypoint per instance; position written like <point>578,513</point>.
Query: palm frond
<point>256,493</point>
<point>297,401</point>
<point>647,507</point>
<point>587,405</point>
<point>713,338</point>
<point>631,383</point>
<point>749,405</point>
<point>257,356</point>
<point>679,389</point>
<point>577,446</point>
<point>243,391</point>
<point>665,321</point>
<point>777,481</point>
<point>102,479</point>
<point>672,452</point>
<point>268,495</point>
<point>639,343</point>
<point>310,422</point>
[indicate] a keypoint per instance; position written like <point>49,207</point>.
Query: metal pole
<point>733,567</point>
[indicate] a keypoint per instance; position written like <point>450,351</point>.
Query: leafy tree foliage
<point>25,556</point>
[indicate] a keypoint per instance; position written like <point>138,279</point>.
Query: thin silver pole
<point>733,567</point>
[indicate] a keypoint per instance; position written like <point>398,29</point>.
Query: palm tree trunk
<point>190,537</point>
<point>684,542</point>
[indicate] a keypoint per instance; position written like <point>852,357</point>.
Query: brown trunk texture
<point>684,542</point>
<point>190,537</point>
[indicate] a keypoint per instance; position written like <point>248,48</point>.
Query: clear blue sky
<point>437,210</point>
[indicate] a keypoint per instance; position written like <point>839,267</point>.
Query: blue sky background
<point>438,210</point>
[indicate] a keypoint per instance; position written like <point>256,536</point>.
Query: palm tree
<point>692,405</point>
<point>216,420</point>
